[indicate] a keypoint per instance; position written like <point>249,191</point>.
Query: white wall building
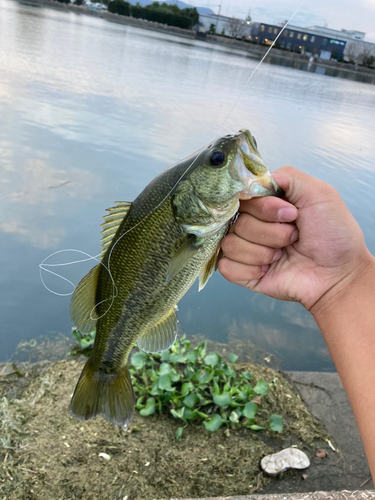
<point>229,26</point>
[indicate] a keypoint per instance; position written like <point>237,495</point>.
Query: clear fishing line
<point>43,266</point>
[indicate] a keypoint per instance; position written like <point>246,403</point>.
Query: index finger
<point>269,209</point>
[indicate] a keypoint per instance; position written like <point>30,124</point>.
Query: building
<point>356,48</point>
<point>295,39</point>
<point>223,25</point>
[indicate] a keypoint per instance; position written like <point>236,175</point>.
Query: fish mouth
<point>254,175</point>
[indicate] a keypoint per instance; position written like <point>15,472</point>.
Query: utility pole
<point>217,19</point>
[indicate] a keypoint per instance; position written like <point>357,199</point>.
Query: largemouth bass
<point>153,250</point>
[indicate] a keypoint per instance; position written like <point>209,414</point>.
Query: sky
<point>347,14</point>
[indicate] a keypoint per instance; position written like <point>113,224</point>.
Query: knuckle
<point>242,227</point>
<point>229,243</point>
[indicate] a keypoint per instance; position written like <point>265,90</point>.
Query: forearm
<point>347,322</point>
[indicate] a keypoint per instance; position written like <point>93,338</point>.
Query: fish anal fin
<point>107,394</point>
<point>83,306</point>
<point>112,222</point>
<point>209,268</point>
<point>179,260</point>
<point>161,336</point>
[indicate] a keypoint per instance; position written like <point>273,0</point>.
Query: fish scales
<point>162,242</point>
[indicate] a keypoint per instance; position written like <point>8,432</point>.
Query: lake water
<point>91,111</point>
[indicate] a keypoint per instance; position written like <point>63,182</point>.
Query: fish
<point>153,250</point>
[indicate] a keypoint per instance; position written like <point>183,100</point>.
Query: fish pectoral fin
<point>107,394</point>
<point>83,306</point>
<point>209,268</point>
<point>182,257</point>
<point>161,336</point>
<point>112,222</point>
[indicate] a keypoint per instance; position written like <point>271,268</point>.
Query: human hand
<point>306,250</point>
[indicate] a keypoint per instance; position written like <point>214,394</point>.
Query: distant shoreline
<point>257,51</point>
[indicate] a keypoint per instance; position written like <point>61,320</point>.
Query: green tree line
<point>158,12</point>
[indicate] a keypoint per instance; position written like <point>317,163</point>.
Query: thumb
<point>300,189</point>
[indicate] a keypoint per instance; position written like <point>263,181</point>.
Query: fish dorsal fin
<point>182,257</point>
<point>112,222</point>
<point>83,305</point>
<point>161,336</point>
<point>209,268</point>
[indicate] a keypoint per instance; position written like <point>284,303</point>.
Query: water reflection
<point>93,119</point>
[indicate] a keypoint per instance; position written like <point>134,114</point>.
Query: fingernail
<point>286,214</point>
<point>277,255</point>
<point>265,268</point>
<point>295,236</point>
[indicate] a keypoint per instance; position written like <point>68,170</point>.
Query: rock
<point>290,458</point>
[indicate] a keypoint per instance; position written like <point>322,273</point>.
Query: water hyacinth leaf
<point>256,427</point>
<point>202,349</point>
<point>165,368</point>
<point>138,360</point>
<point>250,410</point>
<point>179,413</point>
<point>276,423</point>
<point>232,357</point>
<point>176,357</point>
<point>204,377</point>
<point>246,375</point>
<point>165,383</point>
<point>149,408</point>
<point>212,359</point>
<point>223,399</point>
<point>188,414</point>
<point>155,391</point>
<point>261,388</point>
<point>214,423</point>
<point>192,356</point>
<point>165,355</point>
<point>186,388</point>
<point>242,395</point>
<point>190,400</point>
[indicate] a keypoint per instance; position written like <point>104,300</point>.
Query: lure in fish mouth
<point>153,250</point>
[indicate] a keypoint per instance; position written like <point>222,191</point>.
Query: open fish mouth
<point>253,173</point>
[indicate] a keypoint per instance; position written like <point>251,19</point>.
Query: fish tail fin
<point>107,394</point>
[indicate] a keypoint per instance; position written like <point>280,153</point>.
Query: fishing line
<point>43,265</point>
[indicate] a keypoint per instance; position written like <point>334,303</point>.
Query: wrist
<point>362,275</point>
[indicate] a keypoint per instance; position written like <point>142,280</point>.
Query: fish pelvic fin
<point>161,336</point>
<point>83,306</point>
<point>208,270</point>
<point>107,394</point>
<point>182,257</point>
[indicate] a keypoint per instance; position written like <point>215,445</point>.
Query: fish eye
<point>217,158</point>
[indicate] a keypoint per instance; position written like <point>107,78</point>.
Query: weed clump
<point>195,386</point>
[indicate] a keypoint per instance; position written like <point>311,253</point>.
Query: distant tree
<point>78,2</point>
<point>212,29</point>
<point>236,27</point>
<point>366,56</point>
<point>248,18</point>
<point>352,52</point>
<point>119,7</point>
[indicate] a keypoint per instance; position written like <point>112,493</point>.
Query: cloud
<point>40,238</point>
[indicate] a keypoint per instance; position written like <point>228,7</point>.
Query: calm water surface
<point>91,111</point>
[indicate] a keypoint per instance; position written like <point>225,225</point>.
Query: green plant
<point>192,385</point>
<point>85,343</point>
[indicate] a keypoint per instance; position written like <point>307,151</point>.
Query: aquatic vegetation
<point>192,385</point>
